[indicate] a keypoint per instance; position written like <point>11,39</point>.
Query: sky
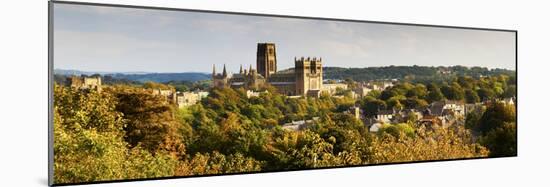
<point>115,39</point>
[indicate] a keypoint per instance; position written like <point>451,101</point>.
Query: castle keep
<point>306,79</point>
<point>85,83</point>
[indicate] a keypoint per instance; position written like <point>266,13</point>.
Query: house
<point>299,125</point>
<point>250,93</point>
<point>185,99</point>
<point>169,94</point>
<point>387,84</point>
<point>441,108</point>
<point>385,115</point>
<point>404,114</point>
<point>331,89</point>
<point>444,113</point>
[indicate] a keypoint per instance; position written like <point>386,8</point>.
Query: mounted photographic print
<point>157,93</point>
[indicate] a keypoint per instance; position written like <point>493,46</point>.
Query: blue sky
<point>109,39</point>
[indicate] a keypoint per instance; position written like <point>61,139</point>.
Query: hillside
<point>419,73</point>
<point>401,72</point>
<point>141,76</point>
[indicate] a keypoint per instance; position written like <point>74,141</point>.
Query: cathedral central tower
<point>266,59</point>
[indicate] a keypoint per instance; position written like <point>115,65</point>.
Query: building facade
<point>305,79</point>
<point>85,83</point>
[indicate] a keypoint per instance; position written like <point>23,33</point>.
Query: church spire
<point>224,71</point>
<point>213,70</point>
<point>241,70</point>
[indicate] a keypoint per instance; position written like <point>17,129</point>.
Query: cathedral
<point>306,79</point>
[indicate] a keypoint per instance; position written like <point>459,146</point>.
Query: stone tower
<point>266,59</point>
<point>219,80</point>
<point>309,76</point>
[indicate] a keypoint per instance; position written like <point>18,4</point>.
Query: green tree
<point>88,137</point>
<point>434,93</point>
<point>437,144</point>
<point>501,141</point>
<point>395,103</point>
<point>154,85</point>
<point>497,125</point>
<point>217,163</point>
<point>485,94</point>
<point>419,91</point>
<point>397,130</point>
<point>151,122</point>
<point>414,102</point>
<point>389,93</point>
<point>471,96</point>
<point>89,141</point>
<point>453,92</point>
<point>495,116</point>
<point>371,106</point>
<point>510,91</point>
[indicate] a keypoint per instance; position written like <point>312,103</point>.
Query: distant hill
<point>411,72</point>
<point>402,72</point>
<point>418,73</point>
<point>163,77</point>
<point>141,76</point>
<point>78,72</point>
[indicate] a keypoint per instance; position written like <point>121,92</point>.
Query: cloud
<point>97,50</point>
<point>127,39</point>
<point>102,10</point>
<point>102,44</point>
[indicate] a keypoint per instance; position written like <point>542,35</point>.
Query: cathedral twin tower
<point>306,79</point>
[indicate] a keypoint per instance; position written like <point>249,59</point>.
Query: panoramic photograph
<point>143,93</point>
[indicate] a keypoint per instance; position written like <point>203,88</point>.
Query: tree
<point>501,141</point>
<point>88,135</point>
<point>472,119</point>
<point>154,85</point>
<point>453,92</point>
<point>410,117</point>
<point>216,163</point>
<point>471,96</point>
<point>497,125</point>
<point>89,141</point>
<point>306,149</point>
<point>466,82</point>
<point>371,106</point>
<point>374,94</point>
<point>485,94</point>
<point>415,102</point>
<point>142,164</point>
<point>510,91</point>
<point>396,130</point>
<point>495,116</point>
<point>419,91</point>
<point>395,103</point>
<point>434,93</point>
<point>388,93</point>
<point>150,120</point>
<point>437,144</point>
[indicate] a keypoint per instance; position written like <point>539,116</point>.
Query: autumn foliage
<point>126,132</point>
